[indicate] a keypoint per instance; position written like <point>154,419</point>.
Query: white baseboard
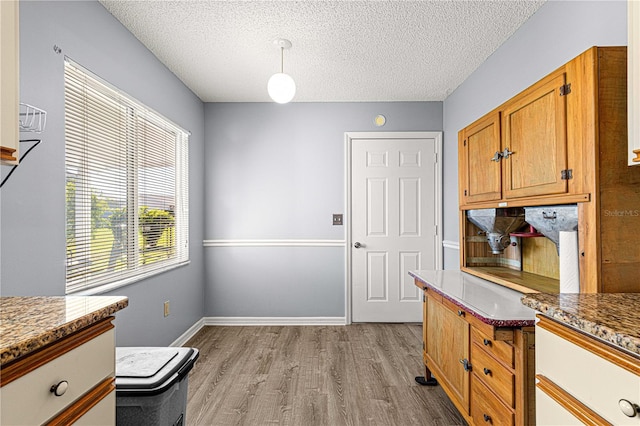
<point>184,338</point>
<point>274,320</point>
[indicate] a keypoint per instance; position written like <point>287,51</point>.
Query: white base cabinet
<point>82,365</point>
<point>581,380</point>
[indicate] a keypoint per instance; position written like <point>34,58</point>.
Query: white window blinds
<point>127,201</point>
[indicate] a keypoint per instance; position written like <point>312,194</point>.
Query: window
<point>126,186</point>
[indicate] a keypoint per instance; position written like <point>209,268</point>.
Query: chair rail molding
<point>454,245</point>
<point>274,243</point>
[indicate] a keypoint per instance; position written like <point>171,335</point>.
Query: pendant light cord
<point>282,60</point>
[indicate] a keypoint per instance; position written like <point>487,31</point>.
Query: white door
<point>394,217</point>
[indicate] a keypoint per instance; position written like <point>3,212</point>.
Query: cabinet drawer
<point>486,408</point>
<point>28,399</point>
<point>103,413</point>
<point>497,377</point>
<point>592,380</point>
<point>499,350</point>
<point>549,412</point>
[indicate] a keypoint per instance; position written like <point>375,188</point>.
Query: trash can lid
<point>151,368</point>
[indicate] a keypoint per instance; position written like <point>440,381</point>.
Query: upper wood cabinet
<point>9,86</point>
<point>480,156</point>
<point>534,140</point>
<point>566,142</point>
<point>518,150</point>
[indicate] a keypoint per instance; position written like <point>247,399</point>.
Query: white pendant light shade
<point>281,88</point>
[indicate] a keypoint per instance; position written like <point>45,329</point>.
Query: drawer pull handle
<point>486,371</point>
<point>486,342</point>
<point>628,408</point>
<point>486,418</point>
<point>460,313</point>
<point>60,388</point>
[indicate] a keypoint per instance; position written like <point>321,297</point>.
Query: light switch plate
<point>337,219</point>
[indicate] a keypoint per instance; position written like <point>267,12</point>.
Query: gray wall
<point>277,172</point>
<point>558,32</point>
<point>33,199</point>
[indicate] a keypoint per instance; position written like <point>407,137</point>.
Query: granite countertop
<point>612,317</point>
<point>491,303</point>
<point>30,323</point>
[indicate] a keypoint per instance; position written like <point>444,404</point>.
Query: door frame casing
<point>349,138</point>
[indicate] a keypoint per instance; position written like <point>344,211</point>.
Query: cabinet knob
<point>506,153</point>
<point>486,342</point>
<point>496,157</point>
<point>59,388</point>
<point>486,371</point>
<point>628,408</point>
<point>460,313</point>
<point>486,418</point>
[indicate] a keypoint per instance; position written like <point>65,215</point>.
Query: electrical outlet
<point>337,219</point>
<point>166,308</point>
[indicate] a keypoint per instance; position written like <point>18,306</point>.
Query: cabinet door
<point>9,98</point>
<point>448,345</point>
<point>480,169</point>
<point>534,130</point>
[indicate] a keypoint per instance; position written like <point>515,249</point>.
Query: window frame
<point>137,116</point>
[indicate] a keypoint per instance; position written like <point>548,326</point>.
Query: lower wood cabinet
<point>447,349</point>
<point>486,371</point>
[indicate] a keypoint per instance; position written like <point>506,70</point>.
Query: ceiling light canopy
<point>281,86</point>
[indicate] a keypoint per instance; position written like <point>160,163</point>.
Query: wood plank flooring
<point>360,374</point>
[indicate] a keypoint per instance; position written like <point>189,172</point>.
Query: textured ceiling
<point>342,50</point>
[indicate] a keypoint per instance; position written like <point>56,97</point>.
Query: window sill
<point>105,288</point>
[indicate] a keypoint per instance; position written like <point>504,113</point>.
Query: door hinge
<point>435,157</point>
<point>566,174</point>
<point>435,229</point>
<point>565,89</point>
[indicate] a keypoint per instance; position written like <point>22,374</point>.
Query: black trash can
<point>151,385</point>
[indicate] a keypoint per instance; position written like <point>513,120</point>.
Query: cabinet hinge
<point>565,89</point>
<point>464,143</point>
<point>465,192</point>
<point>566,174</point>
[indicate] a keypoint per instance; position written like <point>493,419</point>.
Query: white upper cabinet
<point>633,98</point>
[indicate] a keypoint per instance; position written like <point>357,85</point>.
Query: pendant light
<point>281,86</point>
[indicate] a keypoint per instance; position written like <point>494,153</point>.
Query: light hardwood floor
<point>360,374</point>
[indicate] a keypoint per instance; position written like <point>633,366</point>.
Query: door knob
<point>357,244</point>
